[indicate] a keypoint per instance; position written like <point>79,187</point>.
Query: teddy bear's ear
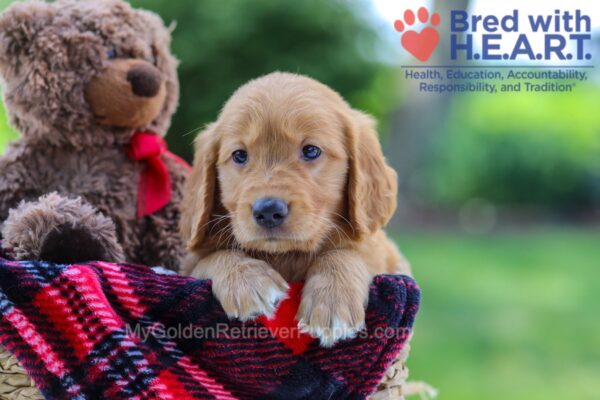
<point>19,25</point>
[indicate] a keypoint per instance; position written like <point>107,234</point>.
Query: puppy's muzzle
<point>270,212</point>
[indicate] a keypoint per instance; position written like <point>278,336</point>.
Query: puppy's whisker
<point>219,233</point>
<point>227,240</point>
<point>223,230</point>
<point>213,220</point>
<point>193,131</point>
<point>210,231</point>
<point>339,230</point>
<point>232,241</point>
<point>324,222</point>
<point>227,230</point>
<point>344,219</point>
<point>331,225</point>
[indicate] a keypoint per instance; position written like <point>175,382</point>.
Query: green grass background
<point>511,316</point>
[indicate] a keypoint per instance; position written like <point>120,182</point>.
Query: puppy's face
<point>282,169</point>
<point>288,166</point>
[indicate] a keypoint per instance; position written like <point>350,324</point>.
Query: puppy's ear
<point>372,184</point>
<point>19,26</point>
<point>201,190</point>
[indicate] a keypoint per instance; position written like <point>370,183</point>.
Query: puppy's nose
<point>145,80</point>
<point>269,211</point>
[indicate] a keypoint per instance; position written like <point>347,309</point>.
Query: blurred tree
<point>223,44</point>
<point>520,150</point>
<point>418,122</point>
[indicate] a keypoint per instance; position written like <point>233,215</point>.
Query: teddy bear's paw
<point>61,230</point>
<point>68,244</point>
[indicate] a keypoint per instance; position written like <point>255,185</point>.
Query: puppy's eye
<point>239,157</point>
<point>310,152</point>
<point>111,54</point>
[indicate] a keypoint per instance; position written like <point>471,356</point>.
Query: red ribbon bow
<point>154,190</point>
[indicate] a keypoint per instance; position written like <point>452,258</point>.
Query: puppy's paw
<point>252,288</point>
<point>331,315</point>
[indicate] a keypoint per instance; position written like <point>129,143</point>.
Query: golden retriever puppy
<point>290,184</point>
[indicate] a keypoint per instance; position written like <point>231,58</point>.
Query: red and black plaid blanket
<point>101,330</point>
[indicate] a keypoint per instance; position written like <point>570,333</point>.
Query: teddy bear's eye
<point>111,54</point>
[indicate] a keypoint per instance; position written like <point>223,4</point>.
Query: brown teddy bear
<point>91,86</point>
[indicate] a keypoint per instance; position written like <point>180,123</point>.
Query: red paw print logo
<point>419,44</point>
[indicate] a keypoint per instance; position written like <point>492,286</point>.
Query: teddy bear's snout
<point>127,93</point>
<point>145,80</point>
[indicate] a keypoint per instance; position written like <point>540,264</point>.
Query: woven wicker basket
<point>15,384</point>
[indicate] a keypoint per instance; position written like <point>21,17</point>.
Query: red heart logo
<point>421,44</point>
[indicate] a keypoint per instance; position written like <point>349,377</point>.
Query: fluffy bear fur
<point>37,221</point>
<point>58,61</point>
